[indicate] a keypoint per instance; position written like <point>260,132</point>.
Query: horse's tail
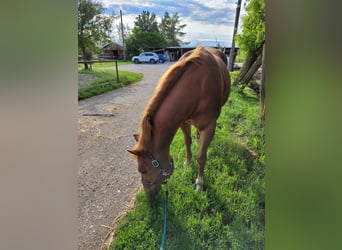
<point>170,78</point>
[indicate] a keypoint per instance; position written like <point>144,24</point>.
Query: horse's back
<point>194,89</point>
<point>213,76</point>
<point>206,85</point>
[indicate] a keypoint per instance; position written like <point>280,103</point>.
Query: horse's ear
<point>133,151</point>
<point>136,137</point>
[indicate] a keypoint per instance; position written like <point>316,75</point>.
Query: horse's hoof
<point>199,184</point>
<point>199,188</point>
<point>186,164</point>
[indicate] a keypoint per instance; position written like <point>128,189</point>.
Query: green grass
<point>106,81</point>
<point>104,65</point>
<point>230,212</point>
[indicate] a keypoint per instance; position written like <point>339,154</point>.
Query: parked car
<point>162,58</point>
<point>146,57</point>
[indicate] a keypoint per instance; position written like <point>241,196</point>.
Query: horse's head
<point>155,168</point>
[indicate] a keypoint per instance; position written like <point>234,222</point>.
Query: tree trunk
<point>84,52</point>
<point>87,56</point>
<point>251,71</point>
<point>251,57</point>
<point>262,86</point>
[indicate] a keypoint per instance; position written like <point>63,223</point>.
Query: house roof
<point>206,43</point>
<point>112,45</point>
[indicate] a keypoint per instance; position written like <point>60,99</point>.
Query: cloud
<point>204,18</point>
<point>199,31</point>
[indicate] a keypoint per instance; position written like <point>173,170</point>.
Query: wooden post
<point>117,72</point>
<point>123,38</point>
<point>90,62</point>
<point>232,49</point>
<point>262,85</point>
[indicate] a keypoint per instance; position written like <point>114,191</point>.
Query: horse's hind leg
<point>206,136</point>
<point>186,129</point>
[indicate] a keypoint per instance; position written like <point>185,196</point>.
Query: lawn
<point>104,81</point>
<point>230,212</point>
<point>104,64</point>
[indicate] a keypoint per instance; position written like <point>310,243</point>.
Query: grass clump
<point>230,212</point>
<point>105,80</point>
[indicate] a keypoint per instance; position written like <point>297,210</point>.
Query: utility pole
<point>232,49</point>
<point>123,38</point>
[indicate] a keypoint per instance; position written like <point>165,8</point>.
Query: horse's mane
<point>165,85</point>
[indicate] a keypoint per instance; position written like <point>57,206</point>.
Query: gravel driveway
<point>108,176</point>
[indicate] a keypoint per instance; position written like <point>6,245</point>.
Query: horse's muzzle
<point>153,191</point>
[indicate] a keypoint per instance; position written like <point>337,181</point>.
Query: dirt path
<point>108,177</point>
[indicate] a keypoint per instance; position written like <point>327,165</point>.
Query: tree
<point>145,34</point>
<point>251,42</point>
<point>94,28</point>
<point>146,22</point>
<point>251,39</point>
<point>253,31</point>
<point>171,28</point>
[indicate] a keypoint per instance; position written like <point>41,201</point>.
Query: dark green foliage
<point>230,213</point>
<point>147,22</point>
<point>172,29</point>
<point>251,42</point>
<point>140,41</point>
<point>145,34</point>
<point>253,28</point>
<point>93,28</point>
<point>148,34</point>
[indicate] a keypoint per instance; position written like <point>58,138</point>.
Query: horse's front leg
<point>206,136</point>
<point>186,129</point>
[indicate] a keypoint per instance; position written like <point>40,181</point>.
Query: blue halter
<point>162,172</point>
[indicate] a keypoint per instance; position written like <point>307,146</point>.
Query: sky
<point>206,20</point>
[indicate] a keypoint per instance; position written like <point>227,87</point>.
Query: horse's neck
<point>166,123</point>
<point>163,135</point>
<point>162,138</point>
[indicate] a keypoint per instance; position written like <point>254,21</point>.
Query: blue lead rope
<point>165,218</point>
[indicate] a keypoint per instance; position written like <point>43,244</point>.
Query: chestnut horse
<point>191,92</point>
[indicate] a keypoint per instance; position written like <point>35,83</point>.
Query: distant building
<point>112,51</point>
<point>174,53</point>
